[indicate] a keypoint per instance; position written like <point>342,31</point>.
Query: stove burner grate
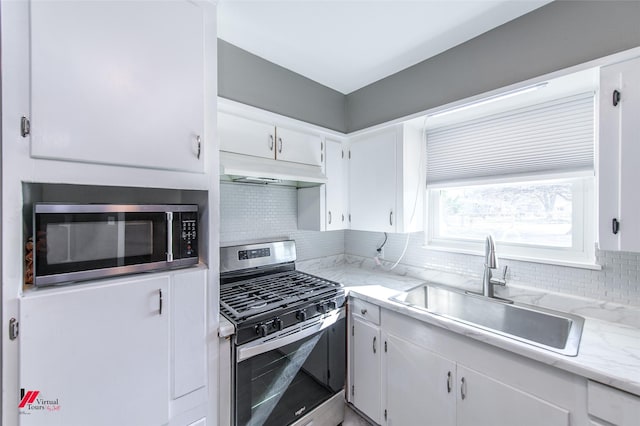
<point>242,299</point>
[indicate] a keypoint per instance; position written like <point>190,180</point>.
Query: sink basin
<point>552,330</point>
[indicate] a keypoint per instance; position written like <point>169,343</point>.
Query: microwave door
<point>80,246</point>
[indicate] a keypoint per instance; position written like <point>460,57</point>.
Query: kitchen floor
<point>351,418</point>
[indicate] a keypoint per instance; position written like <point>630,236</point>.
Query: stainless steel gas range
<point>288,352</point>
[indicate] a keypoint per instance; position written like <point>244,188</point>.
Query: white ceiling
<point>347,45</point>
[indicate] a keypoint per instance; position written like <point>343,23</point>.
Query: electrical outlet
<point>380,253</point>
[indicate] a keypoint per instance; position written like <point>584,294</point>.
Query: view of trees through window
<point>521,213</point>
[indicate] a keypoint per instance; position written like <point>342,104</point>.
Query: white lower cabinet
<point>365,393</point>
<point>419,385</point>
<point>424,387</point>
<point>611,406</point>
<point>482,400</point>
<point>188,332</point>
<point>114,352</point>
<point>422,374</point>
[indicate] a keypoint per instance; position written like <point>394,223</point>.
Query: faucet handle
<point>504,272</point>
<point>503,279</point>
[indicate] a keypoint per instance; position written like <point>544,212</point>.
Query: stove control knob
<point>302,315</point>
<point>262,330</point>
<point>331,305</point>
<point>278,324</point>
<point>322,308</point>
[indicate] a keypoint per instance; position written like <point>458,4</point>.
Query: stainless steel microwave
<point>76,242</point>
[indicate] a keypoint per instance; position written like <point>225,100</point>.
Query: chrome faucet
<point>490,263</point>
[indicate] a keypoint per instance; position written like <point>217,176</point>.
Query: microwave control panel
<point>188,234</point>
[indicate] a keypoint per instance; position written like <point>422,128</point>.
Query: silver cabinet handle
<point>391,218</point>
<point>199,141</point>
<point>449,382</point>
<point>463,388</point>
<point>329,218</point>
<point>270,142</point>
<point>160,302</point>
<point>280,148</point>
<point>374,345</point>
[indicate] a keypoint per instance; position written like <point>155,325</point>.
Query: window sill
<point>566,263</point>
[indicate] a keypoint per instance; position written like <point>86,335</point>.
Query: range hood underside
<point>249,169</point>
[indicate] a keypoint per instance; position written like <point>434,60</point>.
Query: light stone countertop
<point>609,349</point>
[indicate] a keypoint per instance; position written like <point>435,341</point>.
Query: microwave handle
<point>169,236</point>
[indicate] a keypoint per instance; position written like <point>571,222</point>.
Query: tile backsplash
<point>618,281</point>
<point>259,212</point>
<point>251,212</point>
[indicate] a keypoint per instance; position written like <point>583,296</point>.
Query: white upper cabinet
<point>324,208</point>
<point>386,180</point>
<point>372,182</point>
<point>118,82</point>
<point>246,136</point>
<point>298,147</point>
<point>335,169</point>
<point>618,156</point>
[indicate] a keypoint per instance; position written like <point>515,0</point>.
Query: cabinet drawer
<point>612,405</point>
<point>366,310</point>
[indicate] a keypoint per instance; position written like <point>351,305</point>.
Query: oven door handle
<point>268,344</point>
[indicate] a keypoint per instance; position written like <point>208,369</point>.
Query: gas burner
<point>261,292</point>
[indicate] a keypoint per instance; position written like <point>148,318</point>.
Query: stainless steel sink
<point>552,330</point>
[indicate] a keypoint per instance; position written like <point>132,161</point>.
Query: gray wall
<point>556,36</point>
<point>249,79</point>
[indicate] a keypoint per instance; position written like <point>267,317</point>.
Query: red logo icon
<point>27,398</point>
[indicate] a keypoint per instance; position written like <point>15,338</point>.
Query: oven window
<point>281,386</point>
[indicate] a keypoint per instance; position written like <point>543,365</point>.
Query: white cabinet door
<point>618,156</point>
<point>188,332</point>
<point>612,405</point>
<point>244,136</point>
<point>118,83</point>
<point>366,368</point>
<point>372,182</point>
<point>483,401</point>
<point>96,355</point>
<point>299,147</point>
<point>335,187</point>
<point>420,386</point>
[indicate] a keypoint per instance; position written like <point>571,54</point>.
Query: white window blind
<point>545,138</point>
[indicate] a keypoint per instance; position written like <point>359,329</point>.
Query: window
<point>524,176</point>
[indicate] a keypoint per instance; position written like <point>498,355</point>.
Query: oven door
<point>280,379</point>
<point>76,245</point>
